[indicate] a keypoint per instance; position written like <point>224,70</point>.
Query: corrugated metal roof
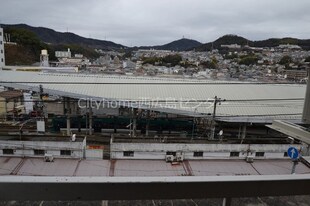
<point>179,90</point>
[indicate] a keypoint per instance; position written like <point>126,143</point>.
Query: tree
<point>172,59</point>
<point>286,60</point>
<point>248,60</point>
<point>209,64</point>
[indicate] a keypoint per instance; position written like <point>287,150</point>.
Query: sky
<point>157,22</point>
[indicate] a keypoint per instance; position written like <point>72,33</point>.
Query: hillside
<point>234,39</point>
<point>178,45</point>
<point>28,48</point>
<point>227,39</point>
<point>50,36</point>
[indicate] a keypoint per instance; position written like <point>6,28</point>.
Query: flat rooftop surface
<point>73,167</point>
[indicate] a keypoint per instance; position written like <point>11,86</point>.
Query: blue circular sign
<point>293,153</point>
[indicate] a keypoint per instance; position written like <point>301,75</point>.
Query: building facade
<point>63,54</point>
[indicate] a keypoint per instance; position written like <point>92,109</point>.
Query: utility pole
<point>216,101</point>
<point>41,105</point>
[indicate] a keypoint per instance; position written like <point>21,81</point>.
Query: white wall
<point>26,148</point>
<point>210,151</point>
<point>94,153</point>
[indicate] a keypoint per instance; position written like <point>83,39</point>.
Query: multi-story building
<point>296,74</point>
<point>2,59</point>
<point>63,54</point>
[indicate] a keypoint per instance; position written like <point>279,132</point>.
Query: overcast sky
<point>156,22</point>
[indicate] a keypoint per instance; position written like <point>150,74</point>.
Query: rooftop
<point>244,100</point>
<point>150,168</point>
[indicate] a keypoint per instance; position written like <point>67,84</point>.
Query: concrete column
<point>243,135</point>
<point>64,105</point>
<point>239,132</point>
<point>78,113</point>
<point>104,203</point>
<point>193,128</point>
<point>5,109</point>
<point>226,201</point>
<point>147,123</point>
<point>115,124</point>
<point>90,121</point>
<point>86,122</point>
<point>68,117</point>
<point>134,127</point>
<point>134,123</point>
<point>212,130</point>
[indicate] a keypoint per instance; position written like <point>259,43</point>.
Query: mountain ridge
<point>176,45</point>
<point>235,39</point>
<point>51,36</point>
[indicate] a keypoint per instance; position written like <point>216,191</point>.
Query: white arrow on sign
<point>292,153</point>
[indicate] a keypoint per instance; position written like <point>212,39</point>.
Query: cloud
<point>141,22</point>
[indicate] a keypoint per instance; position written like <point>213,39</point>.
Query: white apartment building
<point>63,54</point>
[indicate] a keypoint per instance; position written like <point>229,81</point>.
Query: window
<point>285,154</point>
<point>65,152</point>
<point>39,152</point>
<point>128,154</point>
<point>8,151</point>
<point>0,33</point>
<point>198,154</point>
<point>171,153</point>
<point>1,51</point>
<point>234,154</point>
<point>259,154</point>
<point>0,42</point>
<point>1,59</point>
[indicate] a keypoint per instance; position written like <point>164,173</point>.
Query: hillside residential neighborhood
<point>285,63</point>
